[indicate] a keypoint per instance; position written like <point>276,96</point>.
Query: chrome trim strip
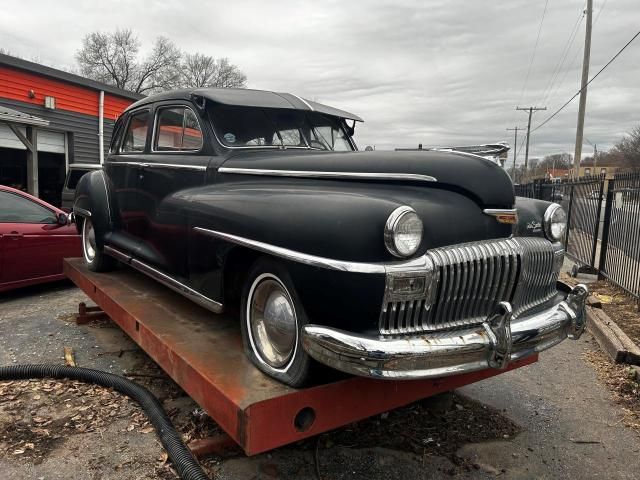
<point>160,165</point>
<point>448,353</point>
<point>288,254</point>
<point>81,211</point>
<point>412,177</point>
<point>494,212</point>
<point>106,191</point>
<point>166,280</point>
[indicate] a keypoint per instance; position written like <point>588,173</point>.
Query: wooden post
<point>32,162</point>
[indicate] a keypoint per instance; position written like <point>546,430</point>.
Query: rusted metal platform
<point>202,352</point>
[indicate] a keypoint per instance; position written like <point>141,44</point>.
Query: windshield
<point>278,128</point>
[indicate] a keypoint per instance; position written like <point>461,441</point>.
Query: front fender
<point>530,217</point>
<point>92,199</point>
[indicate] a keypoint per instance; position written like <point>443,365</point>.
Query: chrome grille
<point>469,280</point>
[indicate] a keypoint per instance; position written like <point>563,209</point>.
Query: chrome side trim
<point>166,280</point>
<point>288,254</point>
<point>161,165</point>
<point>81,211</point>
<point>407,177</point>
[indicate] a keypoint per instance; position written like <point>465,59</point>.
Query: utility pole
<point>515,151</point>
<point>583,90</point>
<point>595,154</point>
<point>526,153</point>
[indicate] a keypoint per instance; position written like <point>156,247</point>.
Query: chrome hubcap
<point>88,241</point>
<point>272,321</point>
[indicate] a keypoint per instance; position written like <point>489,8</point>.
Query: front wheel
<point>272,317</point>
<point>96,260</point>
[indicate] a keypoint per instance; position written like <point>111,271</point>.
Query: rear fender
<point>93,200</point>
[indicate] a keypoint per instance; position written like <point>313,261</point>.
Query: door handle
<point>14,235</point>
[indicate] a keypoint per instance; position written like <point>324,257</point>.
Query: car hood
<point>482,180</point>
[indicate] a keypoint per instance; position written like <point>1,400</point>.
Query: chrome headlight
<point>403,232</point>
<point>555,222</point>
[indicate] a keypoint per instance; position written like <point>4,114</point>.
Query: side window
<point>177,129</point>
<point>135,136</point>
<point>17,209</point>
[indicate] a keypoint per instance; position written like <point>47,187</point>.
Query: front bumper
<point>492,344</point>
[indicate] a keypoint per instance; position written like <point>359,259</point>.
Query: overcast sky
<point>431,72</point>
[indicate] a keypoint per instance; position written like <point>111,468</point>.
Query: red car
<point>34,238</point>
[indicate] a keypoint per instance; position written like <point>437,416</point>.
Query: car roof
<point>248,98</point>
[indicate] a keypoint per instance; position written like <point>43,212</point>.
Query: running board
<point>165,279</point>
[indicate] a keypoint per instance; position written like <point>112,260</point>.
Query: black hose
<point>186,464</point>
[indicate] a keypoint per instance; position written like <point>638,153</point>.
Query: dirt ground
<point>549,420</point>
<point>621,307</point>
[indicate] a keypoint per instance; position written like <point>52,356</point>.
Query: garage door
<point>48,141</point>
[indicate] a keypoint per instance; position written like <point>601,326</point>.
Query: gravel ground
<point>549,420</point>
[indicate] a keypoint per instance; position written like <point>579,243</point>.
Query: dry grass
<point>621,380</point>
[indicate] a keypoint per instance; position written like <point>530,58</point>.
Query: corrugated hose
<point>185,463</point>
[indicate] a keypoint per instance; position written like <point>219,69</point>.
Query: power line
<point>573,60</point>
<point>563,57</point>
<point>535,48</point>
<point>587,84</point>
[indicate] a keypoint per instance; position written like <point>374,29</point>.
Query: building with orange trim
<point>49,120</point>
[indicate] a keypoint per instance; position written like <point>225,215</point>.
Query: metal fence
<point>620,251</point>
<point>603,217</point>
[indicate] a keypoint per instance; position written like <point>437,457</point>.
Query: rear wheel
<point>96,260</point>
<point>272,319</point>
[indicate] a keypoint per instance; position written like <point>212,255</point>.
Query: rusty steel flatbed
<point>202,352</point>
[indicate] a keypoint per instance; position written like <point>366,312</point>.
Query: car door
<point>124,170</point>
<point>30,248</point>
<point>176,162</point>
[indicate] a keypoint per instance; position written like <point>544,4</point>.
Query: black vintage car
<point>388,264</point>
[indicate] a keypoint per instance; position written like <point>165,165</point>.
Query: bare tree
<point>629,148</point>
<point>113,58</point>
<point>199,70</point>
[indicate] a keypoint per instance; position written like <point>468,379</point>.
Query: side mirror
<point>63,219</point>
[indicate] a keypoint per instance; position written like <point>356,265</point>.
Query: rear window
<point>177,130</point>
